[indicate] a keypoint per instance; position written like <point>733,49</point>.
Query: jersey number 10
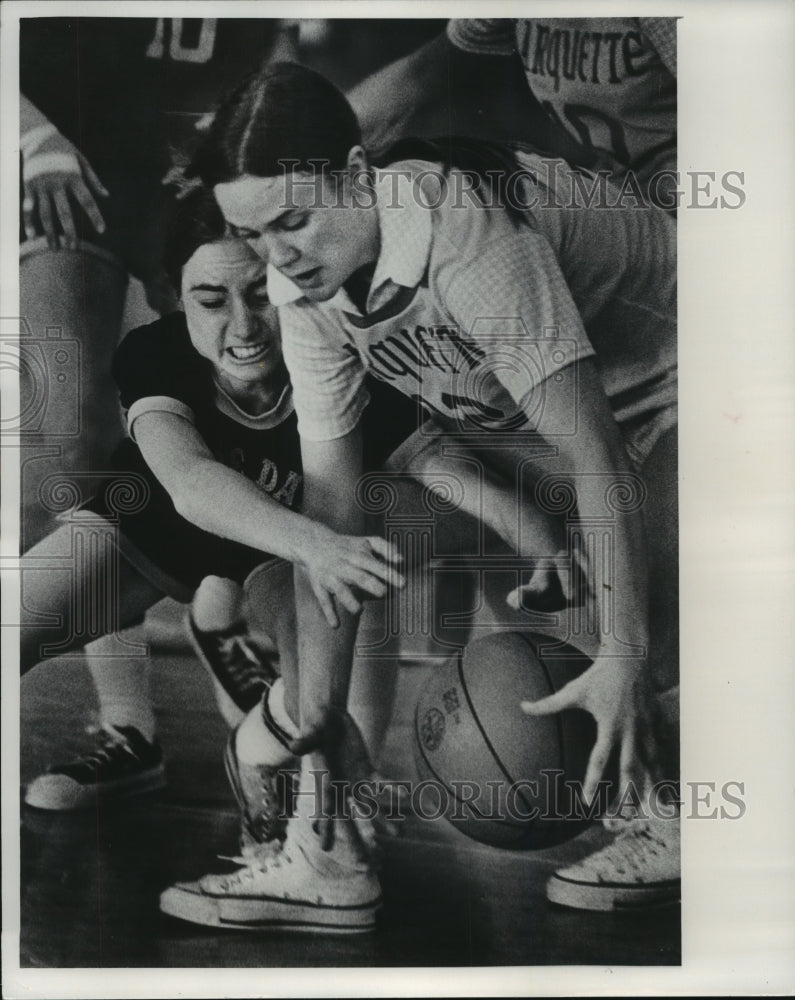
<point>201,52</point>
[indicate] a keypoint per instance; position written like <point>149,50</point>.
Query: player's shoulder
<point>468,202</point>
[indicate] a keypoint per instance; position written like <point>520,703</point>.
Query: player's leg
<point>71,304</point>
<point>293,886</point>
<point>242,637</point>
<point>122,686</point>
<point>328,891</point>
<point>240,664</point>
<point>371,695</point>
<point>58,586</point>
<point>126,758</point>
<point>482,483</point>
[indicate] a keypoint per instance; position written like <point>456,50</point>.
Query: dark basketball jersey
<point>115,86</point>
<point>157,361</point>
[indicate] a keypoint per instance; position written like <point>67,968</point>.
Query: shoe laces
<point>255,861</point>
<point>111,745</point>
<point>635,842</point>
<point>265,821</point>
<point>237,654</point>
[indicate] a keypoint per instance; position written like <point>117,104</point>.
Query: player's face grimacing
<point>313,230</point>
<point>230,319</point>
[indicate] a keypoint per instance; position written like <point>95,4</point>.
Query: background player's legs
<point>56,585</point>
<point>71,304</point>
<point>218,608</point>
<point>126,758</point>
<point>123,691</point>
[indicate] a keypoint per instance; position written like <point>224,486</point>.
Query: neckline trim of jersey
<point>278,413</point>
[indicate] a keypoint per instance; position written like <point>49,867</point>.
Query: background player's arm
<point>442,90</point>
<point>56,178</point>
<point>222,501</point>
<point>660,32</point>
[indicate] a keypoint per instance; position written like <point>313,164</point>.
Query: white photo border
<point>736,75</point>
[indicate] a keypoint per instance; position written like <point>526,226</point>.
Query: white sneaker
<point>280,889</point>
<point>640,868</point>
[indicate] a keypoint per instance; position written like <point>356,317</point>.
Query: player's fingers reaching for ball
<point>597,763</point>
<point>569,696</point>
<point>631,772</point>
<point>648,746</point>
<point>614,691</point>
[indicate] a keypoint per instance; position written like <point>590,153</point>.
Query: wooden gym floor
<point>90,882</point>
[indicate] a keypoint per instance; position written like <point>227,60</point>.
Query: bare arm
<point>224,502</point>
<point>615,689</point>
<point>441,90</point>
<point>331,471</point>
<point>325,655</point>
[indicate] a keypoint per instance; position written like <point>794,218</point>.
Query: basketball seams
<point>483,733</point>
<point>524,674</point>
<point>519,827</point>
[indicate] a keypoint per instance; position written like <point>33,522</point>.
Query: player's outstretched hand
<point>617,694</point>
<point>342,567</point>
<point>56,178</point>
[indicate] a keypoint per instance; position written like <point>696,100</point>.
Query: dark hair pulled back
<point>286,118</point>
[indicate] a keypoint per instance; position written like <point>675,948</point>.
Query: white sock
<point>346,853</point>
<point>122,688</point>
<point>255,743</point>
<point>278,710</point>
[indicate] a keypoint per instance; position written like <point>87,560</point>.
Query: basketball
<point>505,777</point>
